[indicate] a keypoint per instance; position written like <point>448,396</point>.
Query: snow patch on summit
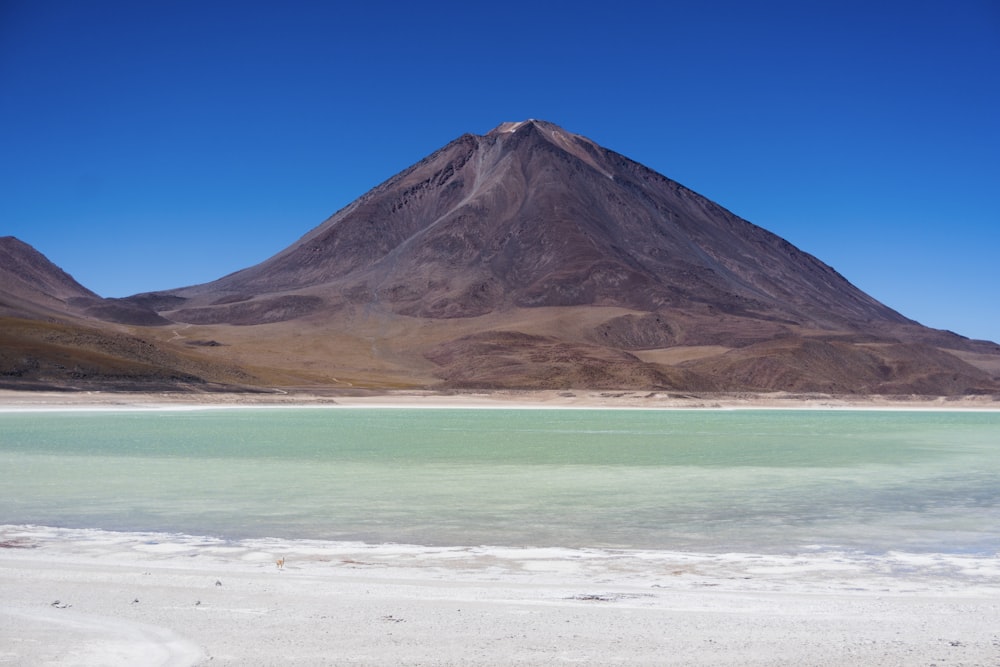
<point>508,127</point>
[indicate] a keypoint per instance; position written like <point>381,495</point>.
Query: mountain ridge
<point>32,284</point>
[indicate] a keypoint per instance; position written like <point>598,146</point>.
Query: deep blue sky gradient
<point>150,145</point>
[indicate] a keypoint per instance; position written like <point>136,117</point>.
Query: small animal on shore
<point>280,563</point>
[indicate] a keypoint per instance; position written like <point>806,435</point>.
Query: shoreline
<point>75,596</point>
<point>17,400</point>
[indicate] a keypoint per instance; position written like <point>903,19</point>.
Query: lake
<point>709,481</point>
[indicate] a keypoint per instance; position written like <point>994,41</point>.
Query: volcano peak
<point>533,257</point>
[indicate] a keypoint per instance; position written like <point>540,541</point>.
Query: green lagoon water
<point>754,481</point>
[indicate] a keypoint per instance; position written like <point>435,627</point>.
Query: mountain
<point>55,334</point>
<point>531,257</point>
<point>31,285</point>
<point>530,215</point>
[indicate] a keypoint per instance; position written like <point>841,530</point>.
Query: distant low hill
<point>531,257</point>
<point>55,334</point>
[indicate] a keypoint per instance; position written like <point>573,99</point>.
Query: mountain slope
<point>31,285</point>
<point>55,333</point>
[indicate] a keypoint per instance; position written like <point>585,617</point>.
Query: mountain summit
<point>533,257</point>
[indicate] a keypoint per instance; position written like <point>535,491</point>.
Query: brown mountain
<point>31,285</point>
<point>533,257</point>
<point>54,335</point>
<point>529,216</point>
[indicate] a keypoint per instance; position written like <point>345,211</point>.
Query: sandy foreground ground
<point>57,400</point>
<point>76,597</point>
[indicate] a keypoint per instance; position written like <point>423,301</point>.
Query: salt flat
<point>11,400</point>
<point>75,597</point>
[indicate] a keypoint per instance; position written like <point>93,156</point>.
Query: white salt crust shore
<point>20,401</point>
<point>87,597</point>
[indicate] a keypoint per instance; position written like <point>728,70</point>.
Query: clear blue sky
<point>151,144</point>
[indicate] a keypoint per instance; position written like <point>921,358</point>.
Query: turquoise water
<point>763,481</point>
